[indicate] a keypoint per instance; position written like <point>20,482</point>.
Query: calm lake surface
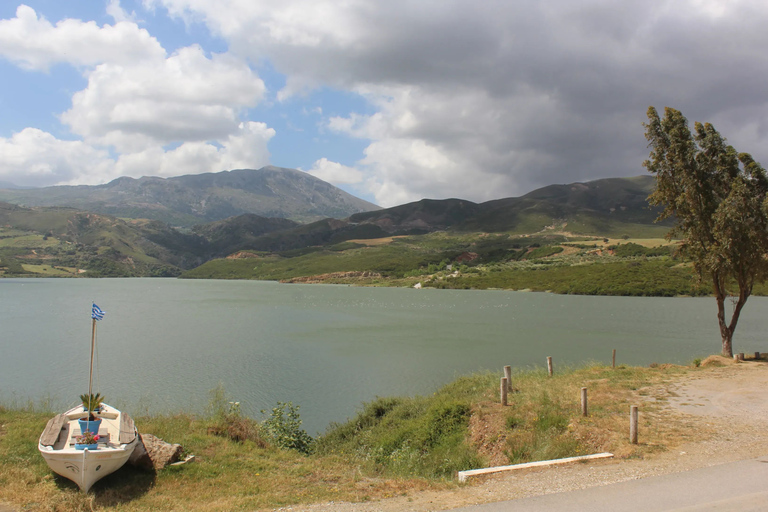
<point>165,343</point>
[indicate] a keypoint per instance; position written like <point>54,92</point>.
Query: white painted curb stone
<point>463,475</point>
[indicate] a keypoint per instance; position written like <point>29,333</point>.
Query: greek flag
<point>97,313</point>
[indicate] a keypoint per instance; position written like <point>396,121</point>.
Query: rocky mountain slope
<point>199,198</point>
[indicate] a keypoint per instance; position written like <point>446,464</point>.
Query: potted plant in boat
<point>91,404</point>
<point>87,440</point>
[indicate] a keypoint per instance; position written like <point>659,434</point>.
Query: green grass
<point>408,437</point>
<point>50,270</point>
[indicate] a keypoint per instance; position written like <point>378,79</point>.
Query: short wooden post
<point>550,371</point>
<point>633,424</point>
<point>757,355</point>
<point>508,376</point>
<point>741,356</point>
<point>613,359</point>
<point>584,401</point>
<point>503,389</point>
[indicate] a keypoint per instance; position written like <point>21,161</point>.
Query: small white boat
<point>117,439</point>
<point>87,464</point>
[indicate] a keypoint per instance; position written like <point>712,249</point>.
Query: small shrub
<point>227,421</point>
<point>697,362</point>
<point>283,427</point>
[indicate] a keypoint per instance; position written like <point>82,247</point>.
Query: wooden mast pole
<point>93,344</point>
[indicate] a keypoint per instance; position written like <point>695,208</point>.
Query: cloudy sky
<point>391,100</point>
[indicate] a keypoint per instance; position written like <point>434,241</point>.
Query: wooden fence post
<point>633,424</point>
<point>508,375</point>
<point>584,401</point>
<point>503,389</point>
<point>613,360</point>
<point>550,371</point>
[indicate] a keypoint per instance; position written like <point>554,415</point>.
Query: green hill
<point>40,240</point>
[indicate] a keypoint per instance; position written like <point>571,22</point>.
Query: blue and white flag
<point>97,313</point>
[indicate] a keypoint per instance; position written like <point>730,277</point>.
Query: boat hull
<point>86,467</point>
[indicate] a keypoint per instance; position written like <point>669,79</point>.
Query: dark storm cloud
<point>521,93</point>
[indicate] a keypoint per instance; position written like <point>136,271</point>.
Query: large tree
<point>718,199</point>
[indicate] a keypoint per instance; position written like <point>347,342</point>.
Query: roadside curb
<point>463,475</point>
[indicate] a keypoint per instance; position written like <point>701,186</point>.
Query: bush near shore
<point>393,446</point>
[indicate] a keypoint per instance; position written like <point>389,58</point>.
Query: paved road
<point>737,486</point>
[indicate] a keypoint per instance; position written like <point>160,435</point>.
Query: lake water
<point>165,343</point>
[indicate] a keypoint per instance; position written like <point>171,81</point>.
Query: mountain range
<point>185,201</point>
<point>120,243</point>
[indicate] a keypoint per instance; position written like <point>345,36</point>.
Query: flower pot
<point>94,446</point>
<point>90,426</point>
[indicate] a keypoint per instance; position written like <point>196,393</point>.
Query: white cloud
<point>137,101</point>
<point>118,13</point>
<point>186,97</point>
<point>36,158</point>
<point>335,173</point>
<point>33,157</point>
<point>34,43</point>
<point>245,149</point>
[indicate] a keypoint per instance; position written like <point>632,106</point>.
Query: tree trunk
<point>728,347</point>
<point>725,334</point>
<point>727,330</point>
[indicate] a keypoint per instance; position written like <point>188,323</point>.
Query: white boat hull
<point>86,467</point>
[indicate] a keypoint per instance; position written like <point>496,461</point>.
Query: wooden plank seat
<point>53,430</point>
<point>127,429</point>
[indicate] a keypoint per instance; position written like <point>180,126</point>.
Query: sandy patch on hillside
<point>725,410</point>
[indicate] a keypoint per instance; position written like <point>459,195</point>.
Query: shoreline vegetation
<point>394,446</point>
<point>554,263</point>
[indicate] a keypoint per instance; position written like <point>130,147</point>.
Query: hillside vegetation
<point>587,238</point>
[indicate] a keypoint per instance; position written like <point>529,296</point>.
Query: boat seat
<point>127,429</point>
<point>53,430</point>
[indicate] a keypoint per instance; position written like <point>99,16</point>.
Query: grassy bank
<point>394,446</point>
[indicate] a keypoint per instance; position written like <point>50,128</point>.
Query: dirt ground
<point>725,409</point>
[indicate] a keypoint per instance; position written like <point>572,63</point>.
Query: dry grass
<point>543,419</point>
<point>375,242</point>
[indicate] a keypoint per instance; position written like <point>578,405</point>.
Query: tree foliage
<point>718,199</point>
